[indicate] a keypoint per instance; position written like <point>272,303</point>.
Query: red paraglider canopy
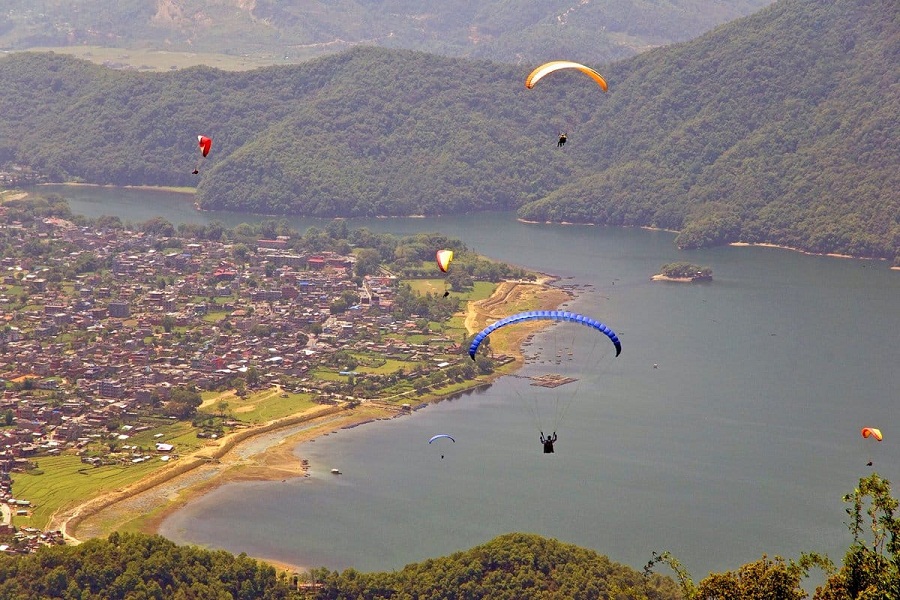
<point>204,143</point>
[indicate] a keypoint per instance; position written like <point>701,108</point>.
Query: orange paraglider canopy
<point>556,65</point>
<point>871,432</point>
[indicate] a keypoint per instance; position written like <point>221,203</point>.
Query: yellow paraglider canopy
<point>556,65</point>
<point>873,432</point>
<point>444,257</point>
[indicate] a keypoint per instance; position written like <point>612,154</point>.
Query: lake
<point>741,442</point>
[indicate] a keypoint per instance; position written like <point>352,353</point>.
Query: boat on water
<point>335,471</point>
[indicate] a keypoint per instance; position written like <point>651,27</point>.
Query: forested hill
<point>367,132</point>
<point>509,567</point>
<point>512,566</point>
<point>501,30</point>
<point>781,127</point>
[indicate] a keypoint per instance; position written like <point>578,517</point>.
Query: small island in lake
<point>683,271</point>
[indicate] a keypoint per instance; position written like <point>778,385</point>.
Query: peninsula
<point>148,365</point>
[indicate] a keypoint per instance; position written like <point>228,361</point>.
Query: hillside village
<point>89,363</point>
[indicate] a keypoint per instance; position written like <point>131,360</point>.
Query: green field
<point>66,481</point>
<point>481,290</point>
<point>215,316</point>
<point>327,374</point>
<point>179,433</point>
<point>260,407</point>
<point>424,286</point>
<point>161,60</point>
<point>390,365</point>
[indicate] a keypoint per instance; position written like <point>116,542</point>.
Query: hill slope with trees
<point>501,30</point>
<point>781,127</point>
<point>778,128</point>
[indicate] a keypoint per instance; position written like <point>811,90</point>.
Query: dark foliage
<point>138,567</point>
<point>511,566</point>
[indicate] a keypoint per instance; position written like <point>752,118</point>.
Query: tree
<point>168,323</point>
<point>240,252</point>
<point>367,262</point>
<point>871,567</point>
<point>761,580</point>
<point>182,403</point>
<point>338,306</point>
<point>157,226</point>
<point>484,364</point>
<point>337,229</point>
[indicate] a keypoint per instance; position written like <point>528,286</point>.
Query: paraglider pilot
<point>562,140</point>
<point>548,442</point>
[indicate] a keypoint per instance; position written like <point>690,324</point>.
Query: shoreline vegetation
<point>244,455</point>
<point>190,190</point>
<point>148,188</point>
<point>683,272</point>
<point>735,244</point>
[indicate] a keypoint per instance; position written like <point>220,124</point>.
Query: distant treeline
<point>501,30</point>
<point>777,128</point>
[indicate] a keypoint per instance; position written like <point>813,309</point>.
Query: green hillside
<point>781,127</point>
<point>508,567</point>
<point>367,132</point>
<point>502,30</point>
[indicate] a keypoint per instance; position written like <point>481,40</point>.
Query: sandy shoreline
<point>737,244</point>
<point>150,188</point>
<point>807,252</point>
<point>235,456</point>
<point>661,277</point>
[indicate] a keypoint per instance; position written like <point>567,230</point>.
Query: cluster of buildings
<point>87,352</point>
<point>19,176</point>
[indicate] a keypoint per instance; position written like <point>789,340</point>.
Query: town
<point>112,334</point>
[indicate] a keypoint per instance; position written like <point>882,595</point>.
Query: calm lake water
<point>741,442</point>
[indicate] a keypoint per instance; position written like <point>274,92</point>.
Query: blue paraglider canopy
<point>554,315</point>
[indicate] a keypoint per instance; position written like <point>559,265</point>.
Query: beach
<point>274,451</point>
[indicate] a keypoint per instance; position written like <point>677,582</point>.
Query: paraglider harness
<point>548,442</point>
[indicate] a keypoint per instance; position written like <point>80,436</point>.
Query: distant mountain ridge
<point>501,30</point>
<point>779,128</point>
